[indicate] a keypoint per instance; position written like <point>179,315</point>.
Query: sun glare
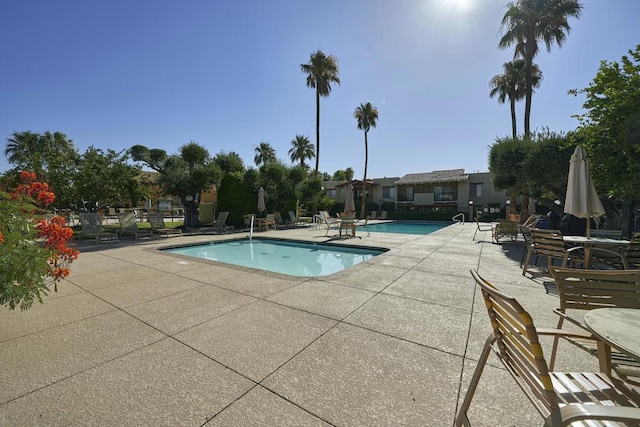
<point>461,6</point>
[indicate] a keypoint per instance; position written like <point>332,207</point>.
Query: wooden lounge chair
<point>158,226</point>
<point>591,289</point>
<point>129,225</point>
<point>561,398</point>
<point>91,224</point>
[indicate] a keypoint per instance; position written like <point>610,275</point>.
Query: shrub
<point>33,251</point>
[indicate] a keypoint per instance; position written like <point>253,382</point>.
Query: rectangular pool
<point>280,256</point>
<point>415,227</point>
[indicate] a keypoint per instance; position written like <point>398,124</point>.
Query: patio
<point>137,337</point>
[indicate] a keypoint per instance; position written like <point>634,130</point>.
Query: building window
<point>444,193</point>
<point>331,193</point>
<point>475,190</point>
<point>410,193</point>
<point>388,192</point>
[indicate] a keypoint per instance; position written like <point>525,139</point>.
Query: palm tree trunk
<point>315,174</point>
<point>317,132</point>
<point>514,129</point>
<point>528,89</point>
<point>363,208</point>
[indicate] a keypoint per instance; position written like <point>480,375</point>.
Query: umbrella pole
<point>588,227</point>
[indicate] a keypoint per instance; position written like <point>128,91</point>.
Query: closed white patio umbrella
<point>582,198</point>
<point>349,204</point>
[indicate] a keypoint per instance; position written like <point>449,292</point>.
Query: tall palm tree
<point>528,21</point>
<point>264,154</point>
<point>301,149</point>
<point>367,116</point>
<point>321,70</point>
<point>511,86</point>
<point>24,150</point>
<point>39,153</point>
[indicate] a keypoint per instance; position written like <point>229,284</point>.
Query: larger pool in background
<point>280,256</point>
<point>407,227</point>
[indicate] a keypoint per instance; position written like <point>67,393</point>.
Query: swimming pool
<point>422,227</point>
<point>280,256</point>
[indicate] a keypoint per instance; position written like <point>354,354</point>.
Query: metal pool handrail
<point>455,218</point>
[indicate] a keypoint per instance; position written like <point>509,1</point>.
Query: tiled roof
<point>435,177</point>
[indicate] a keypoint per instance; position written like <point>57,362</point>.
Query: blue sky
<point>226,74</point>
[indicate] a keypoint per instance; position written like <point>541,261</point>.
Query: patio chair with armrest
<point>268,221</point>
<point>328,221</point>
<point>91,224</point>
<point>482,228</point>
<point>560,398</point>
<point>247,220</point>
<point>632,252</point>
<point>549,243</point>
<point>348,222</point>
<point>627,258</point>
<point>158,226</point>
<point>592,289</point>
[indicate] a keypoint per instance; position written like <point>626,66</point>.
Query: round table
<point>615,327</point>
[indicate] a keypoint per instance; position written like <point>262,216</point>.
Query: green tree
<point>511,85</point>
<point>186,175</point>
<point>342,175</point>
<point>367,117</point>
<point>535,166</point>
<point>610,131</point>
<point>506,158</point>
<point>107,178</point>
<point>301,149</point>
<point>525,23</point>
<point>264,153</point>
<point>321,71</point>
<point>229,163</point>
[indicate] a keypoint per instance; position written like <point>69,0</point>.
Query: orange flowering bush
<point>34,255</point>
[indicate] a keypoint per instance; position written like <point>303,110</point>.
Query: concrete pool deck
<point>138,337</point>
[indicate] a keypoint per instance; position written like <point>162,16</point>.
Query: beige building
<point>446,190</point>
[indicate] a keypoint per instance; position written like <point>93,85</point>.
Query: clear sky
<point>226,74</point>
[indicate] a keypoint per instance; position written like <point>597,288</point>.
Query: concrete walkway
<point>138,337</point>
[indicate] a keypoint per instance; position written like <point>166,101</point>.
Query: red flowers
<point>39,191</point>
<point>53,233</point>
<point>54,236</point>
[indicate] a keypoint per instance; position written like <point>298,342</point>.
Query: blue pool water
<point>285,257</point>
<point>407,227</point>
